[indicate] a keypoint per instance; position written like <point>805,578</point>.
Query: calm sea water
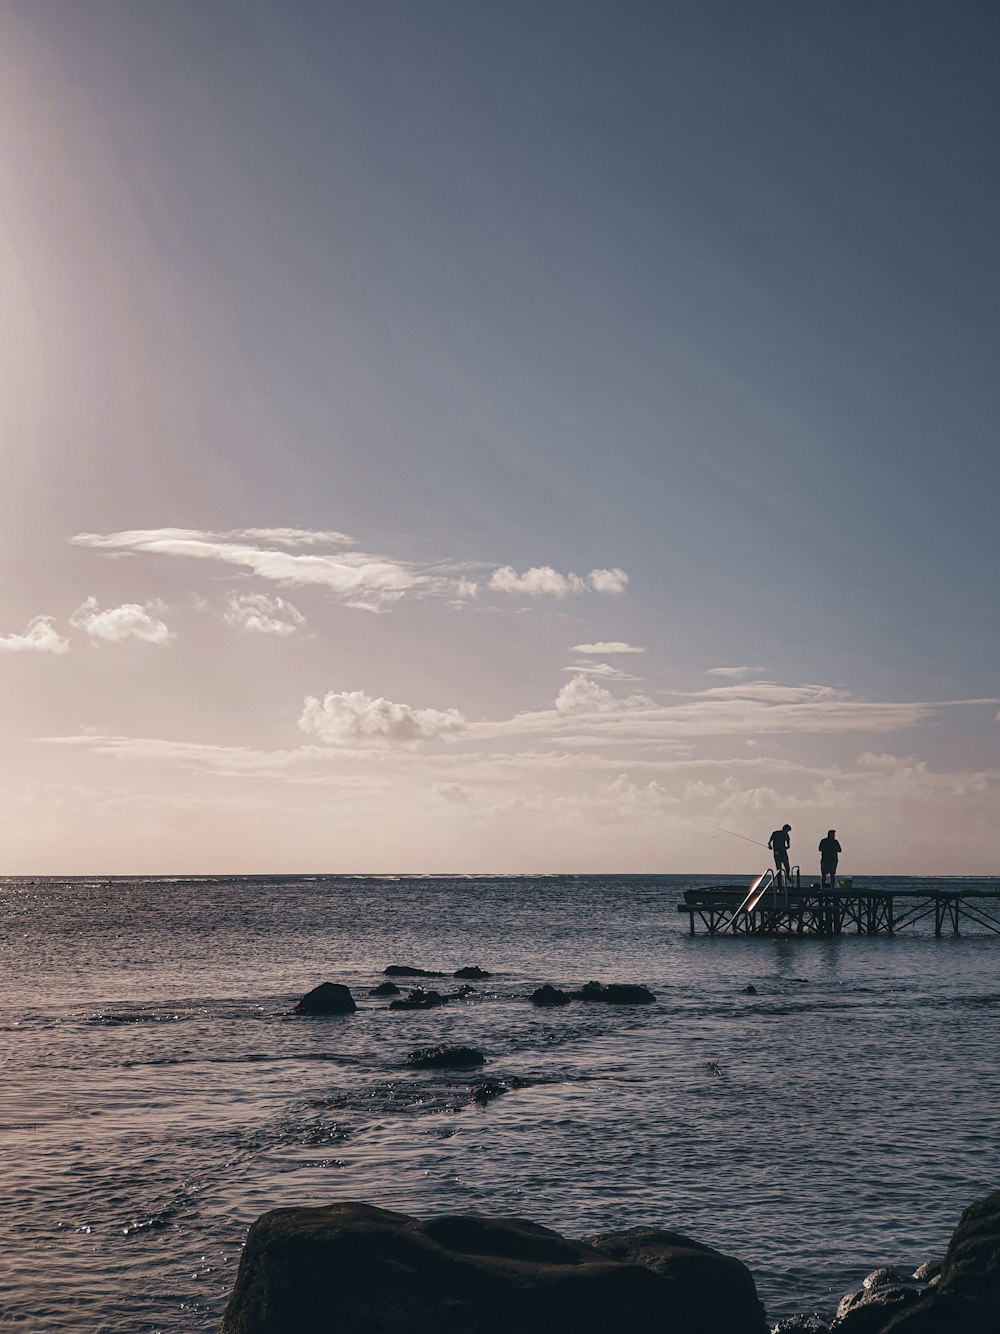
<point>156,1095</point>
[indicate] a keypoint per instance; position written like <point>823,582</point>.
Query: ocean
<point>156,1094</point>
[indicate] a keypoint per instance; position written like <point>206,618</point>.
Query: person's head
<point>831,833</point>
<point>786,828</point>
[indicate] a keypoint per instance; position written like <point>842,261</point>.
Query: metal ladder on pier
<point>767,880</point>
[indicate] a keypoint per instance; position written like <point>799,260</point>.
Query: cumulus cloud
<point>41,636</point>
<point>604,647</point>
<point>454,793</point>
<point>538,582</point>
<point>608,581</point>
<point>543,581</point>
<point>257,613</point>
<point>131,620</point>
<point>354,718</point>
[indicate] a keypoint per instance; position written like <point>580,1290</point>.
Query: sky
<point>498,437</point>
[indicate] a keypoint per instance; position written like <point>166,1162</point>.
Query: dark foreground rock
<point>965,1299</point>
<point>353,1269</point>
<point>385,989</point>
<point>708,1290</point>
<point>615,993</point>
<point>327,998</point>
<point>406,970</point>
<point>445,1058</point>
<point>550,995</point>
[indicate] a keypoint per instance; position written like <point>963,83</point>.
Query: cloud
<point>584,696</point>
<point>453,793</point>
<point>260,614</point>
<point>542,581</point>
<point>294,537</point>
<point>607,581</point>
<point>729,671</point>
<point>115,624</point>
<point>604,647</point>
<point>603,669</point>
<point>354,718</point>
<point>41,636</point>
<point>362,580</point>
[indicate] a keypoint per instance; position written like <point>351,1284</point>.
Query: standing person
<point>829,854</point>
<point>779,843</point>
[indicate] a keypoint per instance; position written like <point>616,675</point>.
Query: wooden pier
<point>769,909</point>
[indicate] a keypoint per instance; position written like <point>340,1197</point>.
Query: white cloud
<point>454,793</point>
<point>260,614</point>
<point>129,621</point>
<point>294,537</point>
<point>540,581</point>
<point>729,671</point>
<point>543,581</point>
<point>604,647</point>
<point>363,580</point>
<point>603,669</point>
<point>608,581</point>
<point>41,636</point>
<point>354,718</point>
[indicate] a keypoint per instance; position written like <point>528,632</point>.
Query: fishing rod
<point>742,836</point>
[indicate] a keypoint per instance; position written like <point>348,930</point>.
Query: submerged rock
<point>615,993</point>
<point>327,998</point>
<point>471,973</point>
<point>750,990</point>
<point>444,1057</point>
<point>354,1269</point>
<point>549,995</point>
<point>418,999</point>
<point>385,989</point>
<point>406,970</point>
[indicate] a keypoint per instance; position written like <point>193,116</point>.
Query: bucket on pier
<point>846,883</point>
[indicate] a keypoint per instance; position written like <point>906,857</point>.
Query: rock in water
<point>445,1058</point>
<point>406,970</point>
<point>471,973</point>
<point>616,993</point>
<point>385,989</point>
<point>550,995</point>
<point>354,1269</point>
<point>327,998</point>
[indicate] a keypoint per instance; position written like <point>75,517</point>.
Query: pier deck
<point>811,911</point>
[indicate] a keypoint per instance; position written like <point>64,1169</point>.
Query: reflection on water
<point>157,1096</point>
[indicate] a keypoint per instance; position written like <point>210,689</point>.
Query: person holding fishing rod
<point>779,843</point>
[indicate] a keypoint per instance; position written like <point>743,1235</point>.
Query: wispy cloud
<point>729,671</point>
<point>41,636</point>
<point>360,579</point>
<point>257,613</point>
<point>131,620</point>
<point>602,669</point>
<point>354,718</point>
<point>604,647</point>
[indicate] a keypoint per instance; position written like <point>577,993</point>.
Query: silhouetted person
<point>829,854</point>
<point>779,843</point>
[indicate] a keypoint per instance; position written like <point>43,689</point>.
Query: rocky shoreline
<point>350,1268</point>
